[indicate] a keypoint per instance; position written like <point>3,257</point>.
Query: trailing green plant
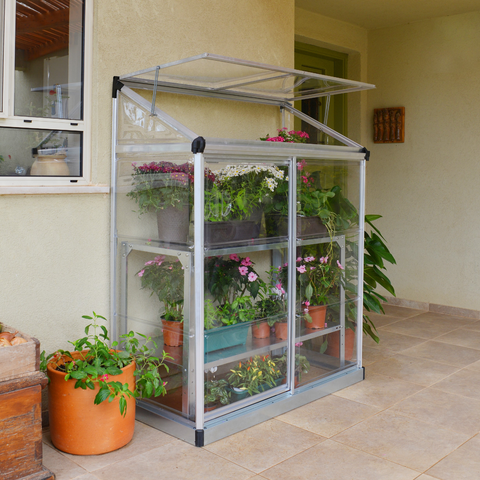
<point>99,363</point>
<point>240,310</point>
<point>216,392</point>
<point>252,374</point>
<point>165,279</point>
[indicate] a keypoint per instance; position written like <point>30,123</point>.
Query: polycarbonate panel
<point>137,126</point>
<point>217,74</point>
<point>154,198</point>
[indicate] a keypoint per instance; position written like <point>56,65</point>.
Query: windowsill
<point>54,190</point>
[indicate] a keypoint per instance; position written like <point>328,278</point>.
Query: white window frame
<point>9,119</point>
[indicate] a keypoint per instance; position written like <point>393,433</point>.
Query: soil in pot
<point>80,427</point>
<point>277,226</point>
<point>317,314</point>
<point>172,333</point>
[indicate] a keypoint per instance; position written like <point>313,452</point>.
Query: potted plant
<point>317,278</point>
<point>92,389</point>
<point>256,375</point>
<point>166,279</point>
<point>302,365</point>
<point>166,188</point>
<point>233,284</point>
<point>234,203</point>
<point>216,394</point>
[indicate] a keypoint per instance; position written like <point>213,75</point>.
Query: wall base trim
<point>436,308</point>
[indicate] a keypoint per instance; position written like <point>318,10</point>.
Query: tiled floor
<point>416,416</point>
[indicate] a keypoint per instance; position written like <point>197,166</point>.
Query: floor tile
<point>411,369</point>
<point>392,342</point>
<point>62,467</point>
<point>401,312</point>
<point>426,477</point>
<point>462,338</point>
<point>444,353</point>
<point>379,391</point>
<point>333,461</point>
<point>442,319</point>
<point>145,438</point>
<point>402,440</point>
<point>179,461</point>
<point>264,445</point>
<point>329,415</point>
<point>380,320</point>
<point>473,326</point>
<point>414,328</point>
<point>375,354</point>
<point>457,413</point>
<point>466,382</point>
<point>462,464</point>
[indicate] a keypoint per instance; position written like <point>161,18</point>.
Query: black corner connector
<point>117,85</point>
<point>366,152</point>
<point>198,145</point>
<point>199,438</point>
<point>363,372</point>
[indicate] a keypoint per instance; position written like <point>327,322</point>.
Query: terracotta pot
<point>296,382</point>
<point>172,333</point>
<point>281,330</point>
<point>318,314</point>
<point>261,330</point>
<point>333,349</point>
<point>175,352</point>
<point>80,427</point>
<point>209,408</point>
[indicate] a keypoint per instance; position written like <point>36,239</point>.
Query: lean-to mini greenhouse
<point>242,258</point>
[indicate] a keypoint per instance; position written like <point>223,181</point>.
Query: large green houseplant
<point>93,388</point>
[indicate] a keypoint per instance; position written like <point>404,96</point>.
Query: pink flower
<point>104,378</point>
<point>309,259</point>
<point>159,259</point>
<point>285,265</point>
<point>304,135</point>
<point>252,277</point>
<point>235,257</point>
<point>246,262</point>
<point>340,265</point>
<point>324,259</point>
<point>302,269</point>
<point>299,344</point>
<point>170,267</point>
<point>140,274</point>
<point>301,165</point>
<point>299,259</point>
<point>312,268</point>
<point>243,270</point>
<point>151,262</point>
<point>306,303</point>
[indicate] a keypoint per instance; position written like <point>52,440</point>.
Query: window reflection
<point>48,58</point>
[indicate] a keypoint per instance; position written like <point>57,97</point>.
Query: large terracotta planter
<point>333,349</point>
<point>317,314</point>
<point>172,333</point>
<point>80,427</point>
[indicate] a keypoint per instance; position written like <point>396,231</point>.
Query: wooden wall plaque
<point>389,125</point>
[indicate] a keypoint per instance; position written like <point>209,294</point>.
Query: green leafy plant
<point>302,365</point>
<point>165,279</point>
<point>376,256</point>
<point>240,310</point>
<point>254,373</point>
<point>216,392</point>
<point>157,185</point>
<point>98,363</point>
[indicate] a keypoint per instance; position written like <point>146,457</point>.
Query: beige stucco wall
<point>427,188</point>
<point>343,37</point>
<point>55,248</point>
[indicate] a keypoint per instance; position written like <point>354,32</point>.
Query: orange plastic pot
<point>281,330</point>
<point>317,314</point>
<point>333,348</point>
<point>80,427</point>
<point>261,330</point>
<point>172,333</point>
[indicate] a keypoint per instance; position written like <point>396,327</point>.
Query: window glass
<point>2,22</point>
<point>49,58</point>
<point>34,152</point>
